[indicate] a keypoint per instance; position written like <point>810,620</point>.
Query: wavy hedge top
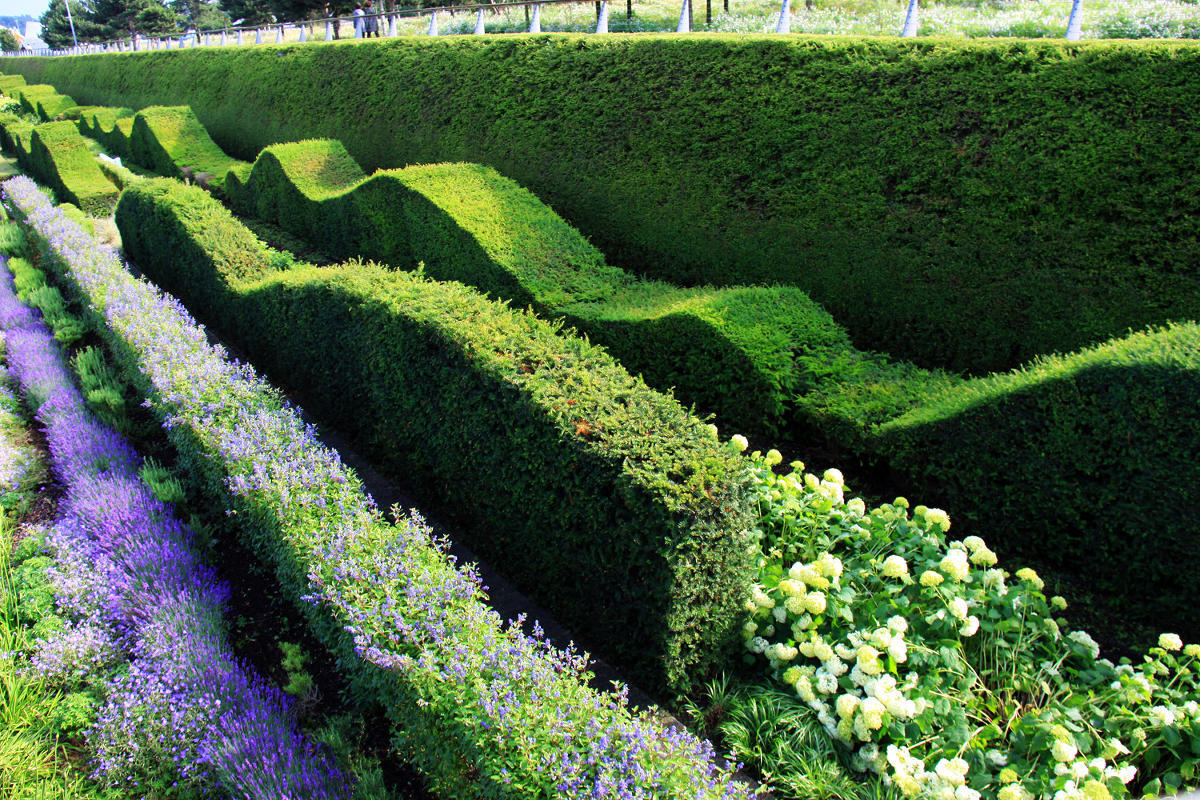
<point>963,204</point>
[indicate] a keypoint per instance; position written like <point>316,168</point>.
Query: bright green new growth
<point>171,141</point>
<point>580,457</point>
<point>109,126</point>
<point>729,351</point>
<point>10,82</point>
<point>42,100</point>
<point>62,158</point>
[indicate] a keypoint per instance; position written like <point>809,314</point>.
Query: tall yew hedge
<point>964,204</point>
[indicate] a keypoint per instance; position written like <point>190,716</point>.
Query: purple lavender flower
<point>127,573</point>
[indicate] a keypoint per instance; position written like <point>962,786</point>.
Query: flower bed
<point>482,708</point>
<point>945,674</point>
<point>132,589</point>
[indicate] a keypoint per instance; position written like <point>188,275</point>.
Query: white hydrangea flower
<point>993,580</point>
<point>966,793</point>
<point>930,578</point>
<point>773,457</point>
<point>779,613</point>
<point>898,650</point>
<point>739,442</point>
<point>793,605</point>
<point>856,506</point>
<point>814,603</point>
<point>984,558</point>
<point>958,607</point>
<point>970,627</point>
<point>894,566</point>
<point>937,516</point>
<point>835,666</point>
<point>1030,576</point>
<point>955,565</point>
<point>974,544</point>
<point>953,771</point>
<point>834,476</point>
<point>830,566</point>
<point>1170,641</point>
<point>846,705</point>
<point>1163,715</point>
<point>1063,751</point>
<point>826,683</point>
<point>1014,791</point>
<point>897,624</point>
<point>1082,637</point>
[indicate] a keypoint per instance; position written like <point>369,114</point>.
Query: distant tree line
<point>105,20</point>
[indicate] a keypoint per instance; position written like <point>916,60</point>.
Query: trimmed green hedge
<point>1090,461</point>
<point>171,141</point>
<point>957,203</point>
<point>10,82</point>
<point>15,135</point>
<point>111,127</point>
<point>732,352</point>
<point>60,158</point>
<point>601,498</point>
<point>42,100</point>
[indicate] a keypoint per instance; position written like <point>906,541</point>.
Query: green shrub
<point>109,126</point>
<point>601,498</point>
<point>42,100</point>
<point>1087,461</point>
<point>960,204</point>
<point>729,351</point>
<point>61,159</point>
<point>10,82</point>
<point>172,142</point>
<point>15,135</point>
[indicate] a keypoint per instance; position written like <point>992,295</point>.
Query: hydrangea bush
<point>482,708</point>
<point>941,672</point>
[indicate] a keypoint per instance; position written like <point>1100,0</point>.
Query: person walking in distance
<point>371,22</point>
<point>358,21</point>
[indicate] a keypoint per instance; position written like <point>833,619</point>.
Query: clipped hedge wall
<point>61,159</point>
<point>111,127</point>
<point>10,82</point>
<point>1090,461</point>
<point>728,351</point>
<point>172,142</point>
<point>15,136</point>
<point>42,100</point>
<point>963,204</point>
<point>601,498</point>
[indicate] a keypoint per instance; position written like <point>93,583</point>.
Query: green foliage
<point>109,126</point>
<point>42,100</point>
<point>12,239</point>
<point>1086,460</point>
<point>729,351</point>
<point>8,41</point>
<point>73,715</point>
<point>62,159</point>
<point>171,141</point>
<point>67,327</point>
<point>960,204</point>
<point>581,458</point>
<point>10,82</point>
<point>299,680</point>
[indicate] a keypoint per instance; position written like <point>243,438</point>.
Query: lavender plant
<point>481,707</point>
<point>184,713</point>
